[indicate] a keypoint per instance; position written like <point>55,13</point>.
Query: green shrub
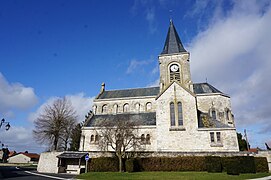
<point>129,165</point>
<point>213,163</point>
<point>246,164</point>
<point>194,163</point>
<point>103,164</point>
<point>261,164</point>
<point>150,164</point>
<point>232,165</point>
<point>132,165</point>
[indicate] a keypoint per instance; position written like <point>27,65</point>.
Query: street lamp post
<point>4,122</point>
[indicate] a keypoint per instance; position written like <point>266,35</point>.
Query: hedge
<point>244,164</point>
<point>167,164</point>
<point>231,165</point>
<point>103,164</point>
<point>213,164</point>
<point>261,164</point>
<point>247,164</point>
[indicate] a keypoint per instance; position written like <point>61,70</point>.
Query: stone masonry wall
<point>188,138</point>
<point>120,102</point>
<point>93,146</point>
<point>48,162</point>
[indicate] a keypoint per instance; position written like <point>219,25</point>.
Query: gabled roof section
<point>31,155</point>
<point>72,155</point>
<point>151,91</point>
<point>203,88</point>
<point>193,94</point>
<point>173,42</point>
<point>141,119</point>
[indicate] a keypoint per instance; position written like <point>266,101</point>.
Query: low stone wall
<point>95,154</point>
<point>48,162</point>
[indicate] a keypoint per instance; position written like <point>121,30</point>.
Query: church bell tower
<point>174,61</point>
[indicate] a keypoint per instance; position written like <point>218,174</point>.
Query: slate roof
<point>173,42</point>
<point>141,119</point>
<point>202,88</point>
<point>214,123</point>
<point>71,155</point>
<point>152,91</point>
<point>31,155</point>
<point>199,88</point>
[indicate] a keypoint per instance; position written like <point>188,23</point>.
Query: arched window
<point>172,114</point>
<point>126,107</point>
<point>227,114</point>
<point>137,107</point>
<point>104,109</point>
<point>142,138</point>
<point>148,106</point>
<point>148,139</point>
<point>218,137</point>
<point>212,136</point>
<point>83,143</point>
<point>116,108</point>
<point>96,138</point>
<point>91,138</point>
<point>213,114</point>
<point>94,109</point>
<point>180,114</point>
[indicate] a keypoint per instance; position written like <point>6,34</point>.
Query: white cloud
<point>149,12</point>
<point>135,64</point>
<point>20,139</point>
<point>150,17</point>
<point>15,96</point>
<point>80,103</point>
<point>233,52</point>
<point>154,84</point>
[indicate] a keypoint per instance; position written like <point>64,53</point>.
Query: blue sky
<point>57,48</point>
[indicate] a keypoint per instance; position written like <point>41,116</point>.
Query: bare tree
<point>65,139</point>
<point>54,124</point>
<point>120,136</point>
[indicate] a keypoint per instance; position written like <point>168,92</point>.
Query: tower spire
<point>173,42</point>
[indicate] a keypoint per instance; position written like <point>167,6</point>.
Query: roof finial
<point>103,87</point>
<point>170,15</point>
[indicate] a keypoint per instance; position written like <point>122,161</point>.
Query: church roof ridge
<point>173,43</point>
<point>135,92</point>
<point>132,88</point>
<point>202,88</point>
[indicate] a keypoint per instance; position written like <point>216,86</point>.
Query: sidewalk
<point>263,178</point>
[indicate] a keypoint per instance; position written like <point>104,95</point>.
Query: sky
<point>67,48</point>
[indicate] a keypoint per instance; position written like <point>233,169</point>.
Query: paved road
<point>11,172</point>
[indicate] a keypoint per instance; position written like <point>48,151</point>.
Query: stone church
<point>177,116</point>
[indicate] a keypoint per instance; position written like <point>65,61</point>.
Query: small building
<point>30,158</point>
<point>72,162</point>
<point>62,162</point>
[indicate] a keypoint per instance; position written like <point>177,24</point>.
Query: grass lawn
<point>168,175</point>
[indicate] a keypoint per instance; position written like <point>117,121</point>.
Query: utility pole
<point>246,139</point>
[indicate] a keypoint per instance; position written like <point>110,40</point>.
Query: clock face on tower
<point>174,68</point>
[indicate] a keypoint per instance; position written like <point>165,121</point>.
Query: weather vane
<point>170,14</point>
